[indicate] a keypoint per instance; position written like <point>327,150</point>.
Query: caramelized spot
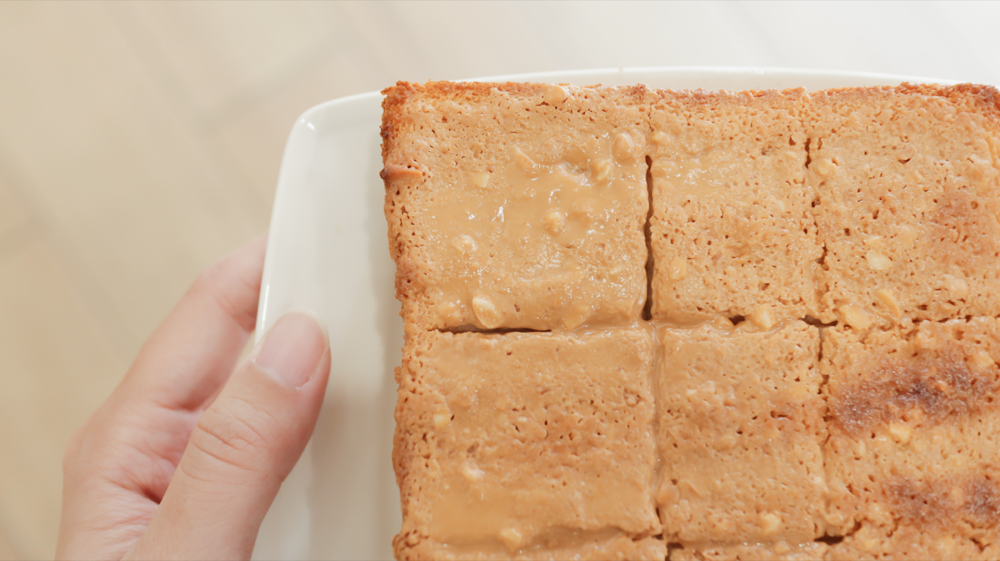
<point>963,229</point>
<point>920,503</point>
<point>943,502</point>
<point>938,387</point>
<point>982,500</point>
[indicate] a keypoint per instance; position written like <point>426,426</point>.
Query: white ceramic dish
<point>328,251</point>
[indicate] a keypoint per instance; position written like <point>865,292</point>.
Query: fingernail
<point>292,349</point>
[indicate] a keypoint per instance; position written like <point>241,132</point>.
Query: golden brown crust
<point>394,103</point>
<point>781,551</point>
<point>976,97</point>
<point>620,548</point>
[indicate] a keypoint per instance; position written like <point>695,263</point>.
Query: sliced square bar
<point>913,459</point>
<point>516,205</point>
<point>908,202</point>
<point>740,438</point>
<point>528,445</point>
<point>731,229</point>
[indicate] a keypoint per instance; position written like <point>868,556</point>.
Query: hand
<point>186,456</point>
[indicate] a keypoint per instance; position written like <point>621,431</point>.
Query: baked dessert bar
<point>516,205</point>
<point>907,182</point>
<point>696,325</point>
<point>740,433</point>
<point>732,230</point>
<point>534,444</point>
<point>912,460</point>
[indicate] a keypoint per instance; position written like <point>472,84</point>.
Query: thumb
<point>242,448</point>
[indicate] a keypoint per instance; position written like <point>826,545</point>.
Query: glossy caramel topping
<point>537,241</point>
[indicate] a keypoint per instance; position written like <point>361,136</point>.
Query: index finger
<point>193,352</point>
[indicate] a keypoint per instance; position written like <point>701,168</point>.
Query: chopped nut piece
<point>906,235</point>
<point>901,432</point>
<point>957,287</point>
<point>392,172</point>
<point>889,301</point>
<point>556,95</point>
<point>855,316</point>
<point>879,514</point>
<point>472,472</point>
<point>481,179</point>
<point>692,488</point>
<point>877,261</point>
<point>678,269</point>
<point>622,147</point>
<point>668,494</point>
<point>486,311</point>
<point>555,221</point>
<point>727,442</point>
<point>982,360</point>
<point>824,166</point>
<point>770,523</point>
<point>866,540</point>
<point>441,420</point>
<point>762,317</point>
<point>448,310</point>
<point>660,138</point>
<point>662,168</point>
<point>464,244</point>
<point>576,315</point>
<point>525,162</point>
<point>511,538</point>
<point>600,170</point>
<point>721,323</point>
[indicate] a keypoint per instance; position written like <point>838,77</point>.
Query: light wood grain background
<point>139,142</point>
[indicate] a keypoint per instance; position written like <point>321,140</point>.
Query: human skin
<point>187,454</point>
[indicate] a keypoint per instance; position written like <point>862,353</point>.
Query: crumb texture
<point>732,229</point>
<point>907,182</point>
<point>914,440</point>
<point>740,435</point>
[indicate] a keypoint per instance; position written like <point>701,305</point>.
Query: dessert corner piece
<point>740,435</point>
<point>907,182</point>
<point>914,441</point>
<point>516,205</point>
<point>527,444</point>
<point>732,231</point>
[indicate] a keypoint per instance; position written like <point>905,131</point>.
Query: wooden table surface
<point>139,142</point>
